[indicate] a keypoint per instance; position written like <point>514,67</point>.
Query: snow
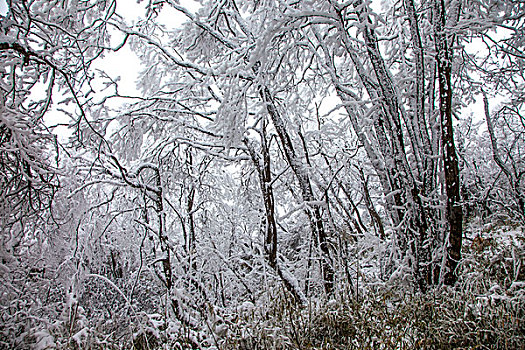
<point>168,162</point>
<point>44,340</point>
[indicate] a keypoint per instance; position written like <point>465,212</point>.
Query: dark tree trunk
<point>454,213</point>
<point>313,212</point>
<point>263,167</point>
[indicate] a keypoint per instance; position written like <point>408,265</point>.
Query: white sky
<point>3,7</point>
<point>124,63</point>
<point>125,66</point>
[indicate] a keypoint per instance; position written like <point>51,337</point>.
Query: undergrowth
<point>444,319</point>
<point>485,310</point>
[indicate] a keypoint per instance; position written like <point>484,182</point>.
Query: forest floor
<point>484,310</point>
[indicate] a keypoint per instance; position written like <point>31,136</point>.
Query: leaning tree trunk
<point>262,164</point>
<point>402,183</point>
<point>313,212</point>
<point>510,172</point>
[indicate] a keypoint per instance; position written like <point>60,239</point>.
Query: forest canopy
<point>282,175</point>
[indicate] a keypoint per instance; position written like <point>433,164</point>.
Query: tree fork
<point>263,167</point>
<point>314,214</point>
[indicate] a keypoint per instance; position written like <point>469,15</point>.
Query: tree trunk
<point>313,212</point>
<point>454,213</point>
<point>263,167</point>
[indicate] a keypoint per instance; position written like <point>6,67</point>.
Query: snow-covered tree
<point>303,150</point>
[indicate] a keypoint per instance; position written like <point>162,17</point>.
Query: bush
<point>486,309</point>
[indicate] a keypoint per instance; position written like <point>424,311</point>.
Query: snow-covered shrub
<point>485,310</point>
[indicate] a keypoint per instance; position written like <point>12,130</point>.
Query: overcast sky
<point>126,65</point>
<point>3,7</point>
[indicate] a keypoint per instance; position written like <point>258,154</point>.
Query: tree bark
<point>454,213</point>
<point>403,182</point>
<point>313,212</point>
<point>512,176</point>
<point>263,167</point>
